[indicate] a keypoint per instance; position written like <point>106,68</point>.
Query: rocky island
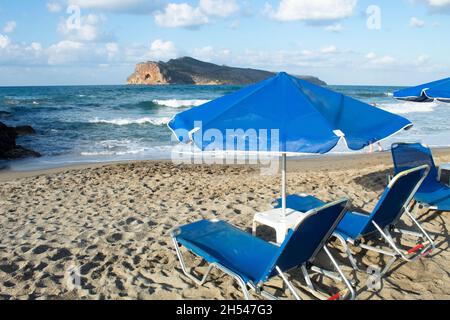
<point>188,70</point>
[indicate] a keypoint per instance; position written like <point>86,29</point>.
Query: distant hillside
<point>191,71</point>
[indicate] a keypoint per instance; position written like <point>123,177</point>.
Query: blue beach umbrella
<point>284,116</point>
<point>437,90</point>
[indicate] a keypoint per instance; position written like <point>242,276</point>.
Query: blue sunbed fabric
<point>252,258</point>
<point>300,203</point>
<point>223,243</point>
<point>431,192</point>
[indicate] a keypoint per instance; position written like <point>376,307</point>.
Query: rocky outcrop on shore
<point>8,147</point>
<point>195,72</point>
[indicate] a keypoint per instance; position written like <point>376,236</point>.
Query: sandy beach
<point>111,222</point>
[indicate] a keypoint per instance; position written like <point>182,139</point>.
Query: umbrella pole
<point>283,183</point>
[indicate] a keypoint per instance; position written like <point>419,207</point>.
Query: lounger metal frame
<point>413,254</point>
<point>258,288</point>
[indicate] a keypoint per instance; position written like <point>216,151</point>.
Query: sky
<point>354,42</point>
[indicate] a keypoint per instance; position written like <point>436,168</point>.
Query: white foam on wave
<point>175,103</point>
<point>112,153</point>
<point>409,107</point>
<point>125,121</point>
<point>125,147</point>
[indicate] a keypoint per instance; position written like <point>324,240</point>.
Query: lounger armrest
<point>389,178</point>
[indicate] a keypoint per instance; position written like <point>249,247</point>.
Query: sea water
<point>85,124</point>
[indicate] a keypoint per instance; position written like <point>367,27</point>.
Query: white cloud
<point>9,27</point>
<point>54,7</point>
<point>422,60</point>
<point>15,54</point>
<point>4,41</point>
<point>439,3</point>
<point>185,15</point>
<point>68,53</point>
<point>386,60</point>
<point>65,52</point>
<point>377,61</point>
<point>312,11</point>
<point>162,50</point>
<point>119,6</point>
<point>416,23</point>
<point>210,54</point>
<point>180,15</point>
<point>88,30</point>
<point>329,50</point>
<point>371,56</point>
<point>36,46</point>
<point>112,50</point>
<point>235,24</point>
<point>336,28</point>
<point>220,8</point>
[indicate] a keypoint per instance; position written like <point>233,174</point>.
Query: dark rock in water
<point>8,147</point>
<point>5,114</point>
<point>7,138</point>
<point>188,70</point>
<point>19,153</point>
<point>24,130</point>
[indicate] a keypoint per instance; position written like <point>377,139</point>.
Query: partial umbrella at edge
<point>436,90</point>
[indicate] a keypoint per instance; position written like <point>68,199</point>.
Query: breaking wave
<point>175,103</point>
<point>141,121</point>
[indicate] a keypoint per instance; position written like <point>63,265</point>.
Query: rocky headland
<point>190,71</point>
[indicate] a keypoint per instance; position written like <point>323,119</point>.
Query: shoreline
<point>330,161</point>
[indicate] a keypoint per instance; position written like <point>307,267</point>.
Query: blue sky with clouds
<point>378,42</point>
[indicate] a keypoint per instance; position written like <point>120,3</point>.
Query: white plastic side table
<point>275,219</point>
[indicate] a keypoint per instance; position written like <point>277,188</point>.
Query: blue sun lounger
<point>432,193</point>
<point>252,262</point>
<point>356,227</point>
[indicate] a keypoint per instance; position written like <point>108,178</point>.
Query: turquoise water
<point>111,123</point>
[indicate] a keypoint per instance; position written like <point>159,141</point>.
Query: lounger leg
<point>339,270</point>
<point>433,246</point>
<point>348,252</point>
<point>199,281</point>
<point>307,277</point>
<point>239,280</point>
<point>424,249</point>
<point>267,295</point>
<point>336,276</point>
<point>288,283</point>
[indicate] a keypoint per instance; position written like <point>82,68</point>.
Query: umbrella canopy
<point>437,90</point>
<point>306,118</point>
<point>309,118</point>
